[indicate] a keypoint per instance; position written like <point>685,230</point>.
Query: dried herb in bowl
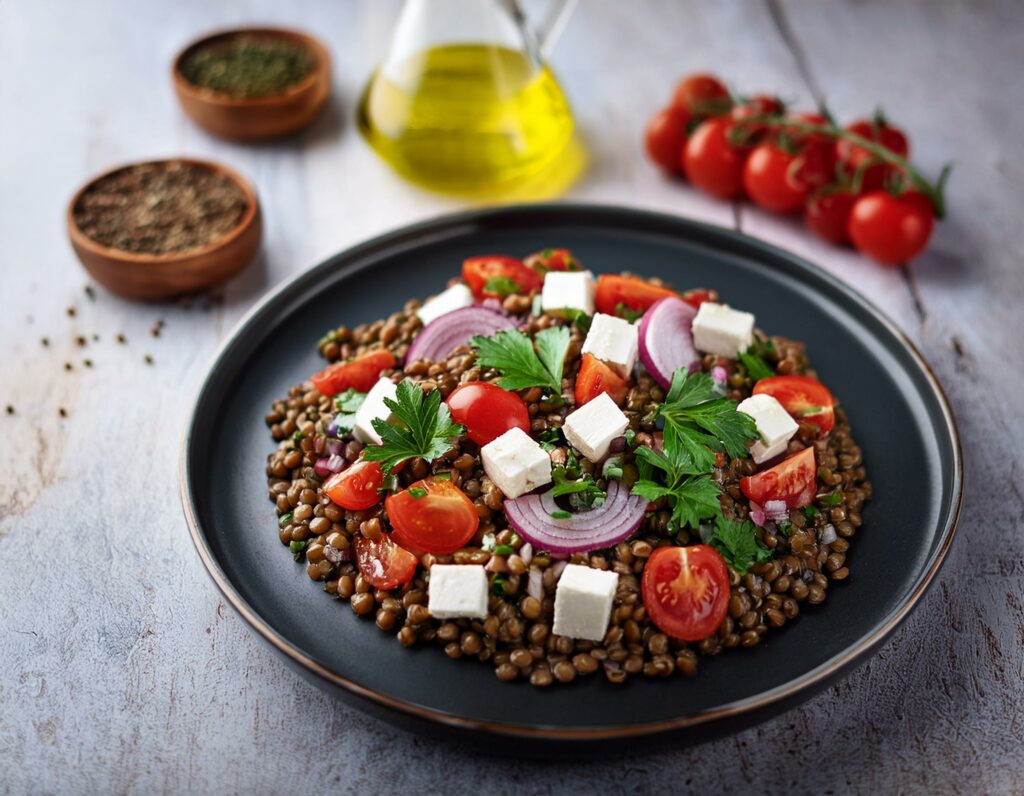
<point>248,66</point>
<point>160,208</point>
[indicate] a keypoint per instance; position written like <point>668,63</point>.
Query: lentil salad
<point>713,548</point>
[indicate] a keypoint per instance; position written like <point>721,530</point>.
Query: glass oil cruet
<point>464,99</point>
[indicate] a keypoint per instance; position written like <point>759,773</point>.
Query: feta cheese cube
<point>592,427</point>
<point>613,341</point>
<point>721,330</point>
<point>774,424</point>
<point>583,602</point>
<point>374,407</point>
<point>568,290</point>
<point>515,463</point>
<point>457,590</point>
<point>454,298</point>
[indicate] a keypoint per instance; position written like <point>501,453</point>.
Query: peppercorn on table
<point>124,671</point>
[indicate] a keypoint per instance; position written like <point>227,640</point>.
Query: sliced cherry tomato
<point>384,563</point>
<point>432,516</point>
<point>767,178</point>
<point>891,229</point>
<point>793,480</point>
<point>686,590</point>
<point>359,374</point>
<point>699,295</point>
<point>487,411</point>
<point>711,162</point>
<point>828,215</point>
<point>477,272</point>
<point>633,292</point>
<point>758,105</point>
<point>806,399</point>
<point>854,157</point>
<point>356,487</point>
<point>552,260</point>
<point>665,138</point>
<point>595,377</point>
<point>702,95</point>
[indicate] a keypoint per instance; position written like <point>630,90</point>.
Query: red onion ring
<point>666,339</point>
<point>444,334</point>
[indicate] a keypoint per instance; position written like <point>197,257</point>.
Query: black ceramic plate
<point>896,408</point>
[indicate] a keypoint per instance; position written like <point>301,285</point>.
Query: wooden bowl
<point>256,118</point>
<point>140,275</point>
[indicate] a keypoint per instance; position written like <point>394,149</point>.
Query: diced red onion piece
<point>329,465</point>
<point>334,447</point>
<point>443,335</point>
<point>556,569</point>
<point>757,515</point>
<point>526,553</point>
<point>666,339</point>
<point>535,583</point>
<point>828,534</point>
<point>719,374</point>
<point>776,510</point>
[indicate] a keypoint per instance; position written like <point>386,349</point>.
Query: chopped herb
<point>503,550</point>
<point>298,435</point>
<point>521,364</point>
<point>612,468</point>
<point>630,437</point>
<point>498,584</point>
<point>284,519</point>
<point>569,479</point>
<point>514,540</point>
<point>417,492</point>
<point>807,411</point>
<point>422,427</point>
<point>578,318</point>
<point>444,475</point>
<point>738,544</point>
<point>625,311</point>
<point>831,499</point>
<point>561,515</point>
<point>811,511</point>
<point>756,367</point>
<point>389,484</point>
<point>297,548</point>
<point>502,286</point>
<point>347,404</point>
<point>549,438</point>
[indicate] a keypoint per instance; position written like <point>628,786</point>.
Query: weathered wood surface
<point>120,668</point>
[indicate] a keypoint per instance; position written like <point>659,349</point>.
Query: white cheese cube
<point>568,290</point>
<point>583,602</point>
<point>454,298</point>
<point>719,329</point>
<point>515,463</point>
<point>592,427</point>
<point>614,341</point>
<point>774,425</point>
<point>374,407</point>
<point>457,590</point>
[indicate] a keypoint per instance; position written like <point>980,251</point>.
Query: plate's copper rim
<point>766,699</point>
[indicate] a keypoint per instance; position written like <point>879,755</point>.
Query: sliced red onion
<point>526,553</point>
<point>334,447</point>
<point>444,334</point>
<point>757,515</point>
<point>776,510</point>
<point>666,339</point>
<point>535,583</point>
<point>828,534</point>
<point>329,465</point>
<point>556,570</point>
<point>618,517</point>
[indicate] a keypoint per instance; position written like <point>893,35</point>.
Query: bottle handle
<point>553,25</point>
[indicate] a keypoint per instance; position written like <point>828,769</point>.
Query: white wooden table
<point>121,670</point>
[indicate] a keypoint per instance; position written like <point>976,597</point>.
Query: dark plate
<point>896,408</point>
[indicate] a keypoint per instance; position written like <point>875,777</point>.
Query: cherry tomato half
<point>665,138</point>
<point>891,229</point>
<point>828,214</point>
<point>384,563</point>
<point>698,295</point>
<point>793,480</point>
<point>854,157</point>
<point>806,399</point>
<point>712,163</point>
<point>595,377</point>
<point>767,178</point>
<point>686,590</point>
<point>356,487</point>
<point>552,260</point>
<point>487,411</point>
<point>702,95</point>
<point>432,516</point>
<point>635,293</point>
<point>359,374</point>
<point>478,271</point>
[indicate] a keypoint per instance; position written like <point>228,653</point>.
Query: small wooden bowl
<point>139,275</point>
<point>256,118</point>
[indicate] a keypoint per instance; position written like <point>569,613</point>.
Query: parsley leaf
<point>502,286</point>
<point>756,367</point>
<point>623,310</point>
<point>692,495</point>
<point>347,404</point>
<point>700,420</point>
<point>738,544</point>
<point>422,427</point>
<point>512,353</point>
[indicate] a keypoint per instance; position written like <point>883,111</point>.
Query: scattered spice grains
<point>122,339</point>
<point>160,207</point>
<point>87,363</point>
<point>248,66</point>
<point>70,311</point>
<point>156,328</point>
<point>90,292</point>
<point>63,412</point>
<point>68,366</point>
<point>149,359</point>
<point>10,409</point>
<point>46,342</point>
<point>81,341</point>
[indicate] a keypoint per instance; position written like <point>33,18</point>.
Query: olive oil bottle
<point>459,117</point>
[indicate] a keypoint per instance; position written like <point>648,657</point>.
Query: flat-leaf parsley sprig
<point>524,363</point>
<point>421,427</point>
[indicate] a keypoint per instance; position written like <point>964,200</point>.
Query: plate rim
<point>480,217</point>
